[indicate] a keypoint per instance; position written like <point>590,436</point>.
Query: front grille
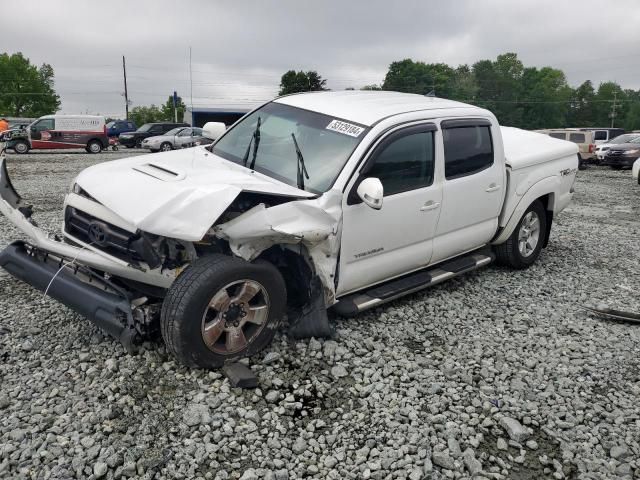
<point>99,234</point>
<point>615,153</point>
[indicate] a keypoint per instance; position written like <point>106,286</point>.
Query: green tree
<point>141,115</point>
<point>419,77</point>
<point>546,97</point>
<point>26,90</point>
<point>294,82</point>
<point>167,109</point>
<point>463,84</point>
<point>603,103</point>
<point>371,87</point>
<point>632,117</point>
<point>581,108</point>
<point>500,87</point>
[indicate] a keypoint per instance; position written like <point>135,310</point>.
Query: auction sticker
<point>346,128</point>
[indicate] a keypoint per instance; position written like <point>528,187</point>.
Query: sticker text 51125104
<point>345,128</point>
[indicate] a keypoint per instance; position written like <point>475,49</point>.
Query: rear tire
<point>94,146</point>
<point>523,247</point>
<point>21,147</point>
<point>222,308</point>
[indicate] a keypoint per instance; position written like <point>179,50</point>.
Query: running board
<point>353,304</point>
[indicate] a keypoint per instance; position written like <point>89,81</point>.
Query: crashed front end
<point>109,270</point>
<point>83,277</point>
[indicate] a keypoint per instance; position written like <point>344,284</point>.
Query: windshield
<point>145,127</point>
<point>635,140</point>
<point>174,131</point>
<point>110,124</point>
<point>325,143</point>
<point>627,137</point>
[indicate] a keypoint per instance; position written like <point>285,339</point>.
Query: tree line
<point>525,97</point>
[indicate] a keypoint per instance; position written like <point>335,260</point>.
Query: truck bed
<point>523,148</point>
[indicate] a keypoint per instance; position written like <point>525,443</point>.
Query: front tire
<point>21,147</point>
<point>221,309</point>
<point>166,147</point>
<point>139,143</point>
<point>523,247</point>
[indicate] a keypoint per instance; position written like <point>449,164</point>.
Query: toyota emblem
<point>97,233</point>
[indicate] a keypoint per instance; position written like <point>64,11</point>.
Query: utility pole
<point>613,108</point>
<point>191,86</point>
<point>126,94</point>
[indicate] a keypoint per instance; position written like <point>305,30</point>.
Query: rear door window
<point>560,135</point>
<point>576,137</point>
<point>467,150</point>
<point>600,135</point>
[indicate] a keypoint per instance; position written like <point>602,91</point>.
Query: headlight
<point>75,188</point>
<point>632,152</point>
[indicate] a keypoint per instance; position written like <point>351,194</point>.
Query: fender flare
<point>546,186</point>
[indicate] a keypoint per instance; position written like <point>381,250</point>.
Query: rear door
<point>381,244</point>
<point>473,188</point>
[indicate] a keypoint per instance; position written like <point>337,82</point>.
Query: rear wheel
<point>94,146</point>
<point>523,247</point>
<point>21,147</point>
<point>221,309</point>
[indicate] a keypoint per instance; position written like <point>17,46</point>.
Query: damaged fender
<point>316,224</point>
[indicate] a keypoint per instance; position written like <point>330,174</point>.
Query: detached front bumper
<point>75,276</point>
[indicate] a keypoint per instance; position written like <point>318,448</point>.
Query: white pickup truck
<point>332,199</point>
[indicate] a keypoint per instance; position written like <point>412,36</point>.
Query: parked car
<point>61,131</point>
<point>602,148</point>
<point>116,127</point>
<point>584,140</point>
<point>604,135</point>
<point>622,155</point>
<point>180,137</point>
<point>134,139</point>
<point>335,199</point>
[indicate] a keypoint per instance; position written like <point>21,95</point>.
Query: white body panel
<point>635,171</point>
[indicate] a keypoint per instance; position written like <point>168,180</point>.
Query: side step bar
<point>351,305</point>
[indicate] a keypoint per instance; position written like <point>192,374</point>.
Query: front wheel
<point>139,143</point>
<point>523,247</point>
<point>21,147</point>
<point>165,147</point>
<point>221,309</point>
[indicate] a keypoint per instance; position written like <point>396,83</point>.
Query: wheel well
<point>295,271</point>
<point>97,140</point>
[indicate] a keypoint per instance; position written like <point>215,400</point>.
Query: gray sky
<point>241,48</point>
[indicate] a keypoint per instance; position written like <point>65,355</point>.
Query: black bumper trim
<point>110,312</point>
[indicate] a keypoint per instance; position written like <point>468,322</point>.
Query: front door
<point>381,244</point>
<point>41,133</point>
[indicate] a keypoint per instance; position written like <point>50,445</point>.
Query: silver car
<point>180,137</point>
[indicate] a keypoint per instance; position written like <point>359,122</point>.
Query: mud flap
<point>312,320</point>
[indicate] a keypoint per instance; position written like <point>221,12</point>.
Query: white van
<point>62,131</point>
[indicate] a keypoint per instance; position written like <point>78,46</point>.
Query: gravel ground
<point>498,374</point>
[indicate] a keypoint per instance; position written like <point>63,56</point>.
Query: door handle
<point>492,188</point>
<point>430,205</point>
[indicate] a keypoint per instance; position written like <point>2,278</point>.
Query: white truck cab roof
<point>369,107</point>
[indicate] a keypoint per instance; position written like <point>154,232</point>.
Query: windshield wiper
<point>301,169</point>
<point>255,140</point>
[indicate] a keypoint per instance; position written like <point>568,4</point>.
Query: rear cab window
<point>468,147</point>
<point>560,135</point>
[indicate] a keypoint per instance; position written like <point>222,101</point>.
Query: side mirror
<point>213,130</point>
<point>371,192</point>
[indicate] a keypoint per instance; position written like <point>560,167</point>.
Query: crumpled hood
<point>178,194</point>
